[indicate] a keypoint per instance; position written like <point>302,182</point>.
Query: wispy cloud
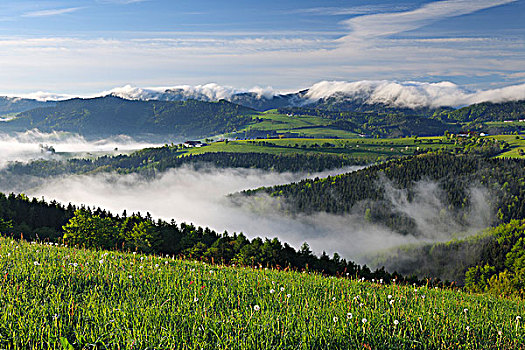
<point>51,12</point>
<point>384,24</point>
<point>355,10</point>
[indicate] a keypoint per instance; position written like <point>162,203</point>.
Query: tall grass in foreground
<point>97,299</point>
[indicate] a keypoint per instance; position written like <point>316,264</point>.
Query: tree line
<point>153,160</point>
<point>32,219</point>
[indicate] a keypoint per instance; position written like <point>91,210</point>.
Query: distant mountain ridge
<point>409,97</point>
<point>112,115</point>
<point>10,105</point>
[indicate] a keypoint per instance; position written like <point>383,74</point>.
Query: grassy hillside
<point>57,295</point>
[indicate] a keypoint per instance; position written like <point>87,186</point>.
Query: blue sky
<point>86,46</point>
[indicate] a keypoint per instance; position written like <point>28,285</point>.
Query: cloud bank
<point>409,94</point>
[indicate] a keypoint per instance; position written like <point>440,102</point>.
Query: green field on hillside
<point>110,300</point>
<point>355,147</point>
<point>297,125</point>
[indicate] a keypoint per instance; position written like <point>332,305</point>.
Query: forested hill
<point>487,111</point>
<point>150,161</point>
<point>9,105</point>
<point>112,115</point>
<point>365,192</point>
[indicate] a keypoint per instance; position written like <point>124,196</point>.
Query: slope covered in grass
<point>115,300</point>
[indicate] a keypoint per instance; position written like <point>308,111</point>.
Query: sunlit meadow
<point>55,297</point>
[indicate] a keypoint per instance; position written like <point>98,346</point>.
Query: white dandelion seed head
<point>272,291</point>
<point>288,295</point>
<point>130,277</point>
<point>389,296</point>
<point>256,307</point>
<point>364,320</point>
<point>336,319</point>
<point>349,315</point>
<point>282,289</point>
<point>396,322</point>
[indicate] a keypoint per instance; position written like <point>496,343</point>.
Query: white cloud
<point>384,24</point>
<point>414,94</point>
<point>52,12</point>
<point>411,94</point>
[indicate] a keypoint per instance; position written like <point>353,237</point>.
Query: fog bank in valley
<point>30,145</point>
<point>200,197</point>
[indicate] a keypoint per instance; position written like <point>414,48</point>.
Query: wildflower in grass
<point>396,322</point>
<point>195,299</point>
<point>389,296</point>
<point>423,296</point>
<point>101,261</point>
<point>465,310</point>
<point>364,320</point>
<point>349,316</point>
<point>256,307</point>
<point>288,295</point>
<point>36,263</point>
<point>282,289</point>
<point>468,329</point>
<point>336,319</point>
<point>518,318</point>
<point>157,265</point>
<point>272,291</point>
<point>130,277</point>
<point>500,333</point>
<point>165,263</point>
<point>333,299</point>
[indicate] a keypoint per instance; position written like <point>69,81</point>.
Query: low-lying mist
<point>200,197</point>
<point>33,144</point>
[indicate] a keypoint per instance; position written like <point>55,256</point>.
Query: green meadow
<point>59,297</point>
